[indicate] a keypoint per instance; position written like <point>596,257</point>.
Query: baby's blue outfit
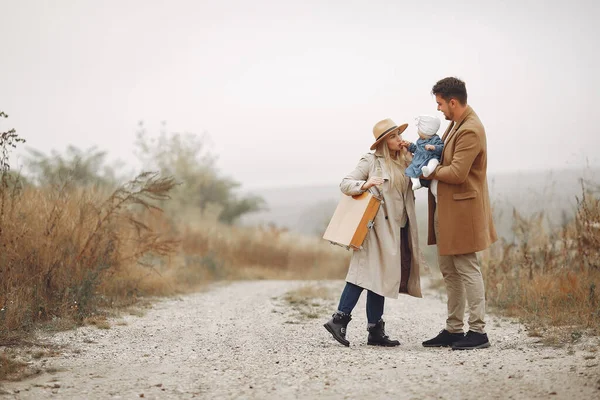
<point>421,156</point>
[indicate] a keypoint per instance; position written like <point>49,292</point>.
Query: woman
<point>388,263</point>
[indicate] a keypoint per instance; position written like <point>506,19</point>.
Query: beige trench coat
<point>380,266</point>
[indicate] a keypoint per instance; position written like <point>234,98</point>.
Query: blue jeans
<point>350,297</point>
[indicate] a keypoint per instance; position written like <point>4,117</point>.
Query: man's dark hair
<point>451,88</point>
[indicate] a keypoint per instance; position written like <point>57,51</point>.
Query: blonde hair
<point>395,165</point>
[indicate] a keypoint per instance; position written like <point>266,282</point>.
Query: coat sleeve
<point>412,148</point>
<point>466,150</point>
<point>351,185</point>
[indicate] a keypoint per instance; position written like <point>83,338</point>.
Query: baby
<point>426,152</point>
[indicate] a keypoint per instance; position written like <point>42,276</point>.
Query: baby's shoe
<point>416,183</point>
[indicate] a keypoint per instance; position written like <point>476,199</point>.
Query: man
<point>460,219</point>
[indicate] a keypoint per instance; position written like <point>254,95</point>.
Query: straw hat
<point>385,127</point>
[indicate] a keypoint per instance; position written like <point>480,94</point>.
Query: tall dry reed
<point>550,277</point>
<point>59,246</point>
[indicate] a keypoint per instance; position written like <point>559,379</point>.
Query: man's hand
<point>373,181</point>
<point>429,147</point>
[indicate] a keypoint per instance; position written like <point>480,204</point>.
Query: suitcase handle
<point>377,194</point>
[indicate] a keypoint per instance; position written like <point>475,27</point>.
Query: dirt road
<point>265,340</point>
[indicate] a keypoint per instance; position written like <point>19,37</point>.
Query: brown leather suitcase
<point>352,219</point>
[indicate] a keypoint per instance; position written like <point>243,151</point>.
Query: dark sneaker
<point>444,339</point>
<point>337,327</point>
<point>472,340</point>
<point>377,336</point>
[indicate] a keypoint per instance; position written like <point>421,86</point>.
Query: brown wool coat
<point>381,266</point>
<point>463,204</point>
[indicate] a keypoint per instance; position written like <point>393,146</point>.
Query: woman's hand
<point>405,143</point>
<point>373,181</point>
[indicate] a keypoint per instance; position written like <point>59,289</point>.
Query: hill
<point>307,209</point>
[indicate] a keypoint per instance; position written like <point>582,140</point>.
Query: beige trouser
<point>464,282</point>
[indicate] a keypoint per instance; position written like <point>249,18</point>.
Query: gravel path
<point>247,340</point>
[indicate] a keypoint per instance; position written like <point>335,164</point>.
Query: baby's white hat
<point>428,125</point>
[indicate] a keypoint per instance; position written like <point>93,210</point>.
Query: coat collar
<point>467,113</point>
<point>380,158</point>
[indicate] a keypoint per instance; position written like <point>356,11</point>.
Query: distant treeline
<point>201,189</point>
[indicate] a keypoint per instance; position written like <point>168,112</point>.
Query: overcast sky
<point>289,90</point>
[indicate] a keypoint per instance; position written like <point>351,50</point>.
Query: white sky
<point>289,90</point>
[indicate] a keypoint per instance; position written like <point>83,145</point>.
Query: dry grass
<point>66,251</point>
<point>215,251</point>
<point>10,368</point>
<point>310,301</point>
<point>98,321</point>
<point>37,354</point>
<point>550,278</point>
<point>308,294</point>
<point>21,359</point>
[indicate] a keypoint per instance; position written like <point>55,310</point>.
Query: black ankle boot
<point>337,327</point>
<point>377,336</point>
